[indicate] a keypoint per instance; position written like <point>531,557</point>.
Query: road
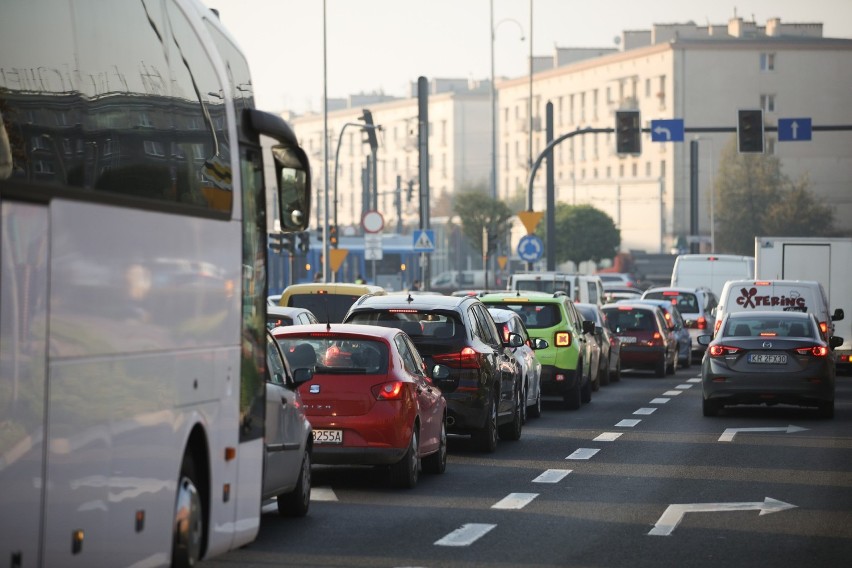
<point>636,478</point>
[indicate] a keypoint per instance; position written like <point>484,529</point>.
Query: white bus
<point>132,283</point>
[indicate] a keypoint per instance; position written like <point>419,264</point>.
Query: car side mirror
<point>515,340</point>
<point>835,341</point>
<point>838,315</point>
<point>302,375</point>
<point>598,331</point>
<point>539,343</point>
<point>440,372</point>
<point>588,326</point>
<point>704,339</point>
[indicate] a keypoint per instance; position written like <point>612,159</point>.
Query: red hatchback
<point>368,398</point>
<point>646,341</point>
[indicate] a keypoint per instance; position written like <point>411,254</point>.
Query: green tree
<point>756,199</point>
<point>584,233</point>
<point>477,211</point>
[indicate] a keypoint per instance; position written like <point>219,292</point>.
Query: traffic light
<point>628,132</point>
<point>281,242</point>
<point>750,131</point>
<point>304,241</point>
<point>370,130</point>
<point>332,235</point>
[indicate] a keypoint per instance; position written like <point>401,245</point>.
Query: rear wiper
<point>322,369</point>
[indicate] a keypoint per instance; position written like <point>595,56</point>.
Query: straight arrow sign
<point>674,513</point>
<point>729,433</point>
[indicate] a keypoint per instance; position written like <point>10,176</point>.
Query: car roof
<point>419,302</point>
<point>631,305</point>
<point>501,315</point>
<point>333,288</point>
<point>524,296</point>
<point>350,329</point>
<point>285,311</point>
<point>699,290</point>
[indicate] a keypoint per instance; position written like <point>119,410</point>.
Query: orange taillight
<point>562,339</point>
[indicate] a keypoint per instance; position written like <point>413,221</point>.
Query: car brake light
<point>388,391</point>
<point>721,350</point>
<point>702,322</point>
<point>815,351</point>
<point>467,358</point>
<point>562,339</point>
<point>823,327</point>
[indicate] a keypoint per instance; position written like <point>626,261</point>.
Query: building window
<point>767,62</point>
<point>767,103</point>
<point>582,107</point>
<point>635,169</point>
<point>154,148</point>
<point>662,168</point>
<point>571,110</point>
<point>661,91</point>
<point>647,88</point>
<point>647,169</point>
<point>770,145</point>
<point>595,104</point>
<point>609,172</point>
<point>621,170</point>
<point>609,94</point>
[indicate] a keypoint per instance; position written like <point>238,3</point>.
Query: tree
<point>584,233</point>
<point>756,199</point>
<point>477,211</point>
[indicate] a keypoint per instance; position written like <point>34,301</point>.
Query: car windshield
<point>549,286</point>
<point>768,327</point>
<point>333,354</point>
<point>535,316</point>
<point>273,321</point>
<point>686,302</point>
<point>329,308</point>
<point>420,325</point>
<point>588,313</point>
<point>630,320</point>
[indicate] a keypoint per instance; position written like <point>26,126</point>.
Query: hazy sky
<point>384,45</point>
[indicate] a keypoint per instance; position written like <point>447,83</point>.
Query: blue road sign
<point>424,240</point>
<point>530,248</point>
<point>794,129</point>
<point>670,130</point>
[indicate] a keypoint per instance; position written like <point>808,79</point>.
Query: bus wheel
<point>188,528</point>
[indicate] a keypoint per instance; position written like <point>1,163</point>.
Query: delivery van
<point>710,270</point>
<point>584,288</point>
<point>778,295</point>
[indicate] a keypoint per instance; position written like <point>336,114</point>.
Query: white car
<point>280,315</point>
<point>696,305</point>
<point>507,322</point>
<point>288,441</point>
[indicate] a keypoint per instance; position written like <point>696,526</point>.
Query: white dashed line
<point>628,423</point>
<point>645,411</point>
<point>672,393</point>
<point>515,501</point>
<point>582,454</point>
<point>323,494</point>
<point>552,476</point>
<point>466,535</point>
<point>694,380</point>
<point>659,400</point>
<point>684,387</point>
<point>608,437</point>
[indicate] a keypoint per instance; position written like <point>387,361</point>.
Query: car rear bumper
<point>327,454</point>
<point>797,388</point>
<point>556,381</point>
<point>641,357</point>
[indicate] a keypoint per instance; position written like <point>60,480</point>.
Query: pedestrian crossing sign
<point>424,240</point>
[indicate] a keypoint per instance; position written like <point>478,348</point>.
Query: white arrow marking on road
<point>663,130</point>
<point>582,454</point>
<point>674,513</point>
<point>515,501</point>
<point>466,535</point>
<point>552,476</point>
<point>728,435</point>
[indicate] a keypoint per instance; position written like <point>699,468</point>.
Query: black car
<point>484,392</point>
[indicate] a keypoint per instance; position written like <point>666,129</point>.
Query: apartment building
<point>701,74</point>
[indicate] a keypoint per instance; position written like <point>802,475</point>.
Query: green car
<point>566,362</point>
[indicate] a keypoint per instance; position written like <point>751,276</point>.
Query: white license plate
<point>627,338</point>
<point>328,436</point>
<point>767,359</point>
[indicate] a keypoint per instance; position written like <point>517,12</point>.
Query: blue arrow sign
<point>424,240</point>
<point>794,129</point>
<point>670,130</point>
<point>530,248</point>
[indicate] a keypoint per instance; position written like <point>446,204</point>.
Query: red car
<point>646,341</point>
<point>368,398</point>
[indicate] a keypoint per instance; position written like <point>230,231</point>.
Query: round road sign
<point>372,222</point>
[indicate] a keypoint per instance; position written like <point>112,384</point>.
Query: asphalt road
<point>636,478</point>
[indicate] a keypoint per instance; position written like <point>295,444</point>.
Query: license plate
<point>627,338</point>
<point>767,359</point>
<point>328,436</point>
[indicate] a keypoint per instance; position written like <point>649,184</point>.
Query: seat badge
<point>315,389</point>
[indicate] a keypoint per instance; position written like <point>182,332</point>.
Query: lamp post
<point>712,192</point>
<point>494,98</point>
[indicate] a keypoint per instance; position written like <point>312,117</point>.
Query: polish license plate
<point>328,436</point>
<point>627,338</point>
<point>767,359</point>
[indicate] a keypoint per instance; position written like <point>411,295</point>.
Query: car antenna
<point>328,326</point>
<point>410,298</point>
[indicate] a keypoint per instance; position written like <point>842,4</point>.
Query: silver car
<point>696,305</point>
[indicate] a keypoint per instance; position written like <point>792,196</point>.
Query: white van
<point>777,295</point>
<point>710,270</point>
<point>584,288</point>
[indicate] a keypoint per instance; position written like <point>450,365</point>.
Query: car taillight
<point>717,326</point>
<point>467,358</point>
<point>722,350</point>
<point>388,391</point>
<point>814,351</point>
<point>562,339</point>
<point>823,327</point>
<point>702,322</point>
<point>655,340</point>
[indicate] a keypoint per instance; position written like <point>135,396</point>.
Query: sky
<point>385,45</point>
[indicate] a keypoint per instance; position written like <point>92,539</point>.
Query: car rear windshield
<point>768,327</point>
<point>549,286</point>
<point>535,316</point>
<point>335,354</point>
<point>686,302</point>
<point>329,308</point>
<point>621,320</point>
<point>420,325</point>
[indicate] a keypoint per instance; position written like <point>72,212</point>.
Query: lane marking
<point>608,437</point>
<point>694,380</point>
<point>628,423</point>
<point>672,393</point>
<point>515,501</point>
<point>645,411</point>
<point>465,535</point>
<point>659,400</point>
<point>684,387</point>
<point>323,494</point>
<point>673,515</point>
<point>729,433</point>
<point>582,454</point>
<point>552,476</point>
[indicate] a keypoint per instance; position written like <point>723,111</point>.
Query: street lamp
<point>712,192</point>
<point>494,98</point>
